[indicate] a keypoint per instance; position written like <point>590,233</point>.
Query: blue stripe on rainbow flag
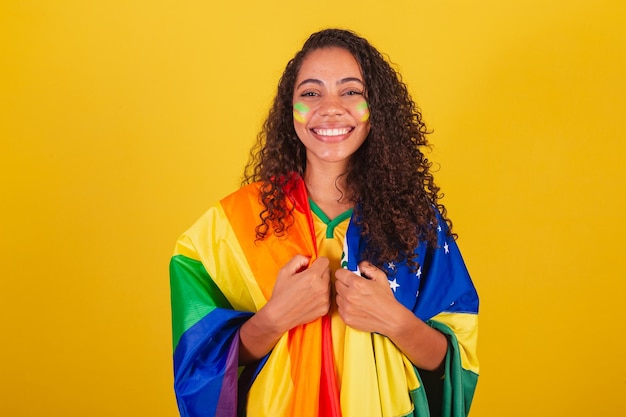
<point>205,364</point>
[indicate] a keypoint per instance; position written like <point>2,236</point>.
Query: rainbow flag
<point>220,275</point>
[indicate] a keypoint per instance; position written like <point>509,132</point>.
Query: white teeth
<point>332,132</point>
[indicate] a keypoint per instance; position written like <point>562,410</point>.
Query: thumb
<point>297,264</point>
<point>369,271</point>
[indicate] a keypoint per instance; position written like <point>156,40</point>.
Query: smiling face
<point>330,113</point>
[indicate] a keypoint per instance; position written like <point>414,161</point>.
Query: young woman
<point>330,284</point>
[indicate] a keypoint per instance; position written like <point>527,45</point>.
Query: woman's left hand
<point>366,303</point>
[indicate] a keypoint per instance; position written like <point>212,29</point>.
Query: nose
<point>331,106</point>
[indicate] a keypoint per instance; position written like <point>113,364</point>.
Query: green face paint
<point>300,110</point>
<point>363,108</point>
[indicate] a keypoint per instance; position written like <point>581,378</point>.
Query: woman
<point>330,283</point>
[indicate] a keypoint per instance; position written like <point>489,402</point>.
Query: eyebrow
<point>341,81</point>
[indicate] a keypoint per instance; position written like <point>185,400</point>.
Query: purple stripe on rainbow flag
<point>227,402</point>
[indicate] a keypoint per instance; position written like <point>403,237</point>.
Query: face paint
<point>300,111</point>
<point>363,109</point>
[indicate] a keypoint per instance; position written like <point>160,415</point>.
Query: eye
<point>354,93</point>
<point>309,94</point>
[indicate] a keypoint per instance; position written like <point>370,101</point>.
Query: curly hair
<point>395,197</point>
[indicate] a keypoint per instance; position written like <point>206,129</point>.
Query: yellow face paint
<point>363,110</point>
<point>300,110</point>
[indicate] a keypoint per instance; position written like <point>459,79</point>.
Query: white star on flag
<point>439,228</point>
<point>445,248</point>
<point>419,272</point>
<point>391,265</point>
<point>393,284</point>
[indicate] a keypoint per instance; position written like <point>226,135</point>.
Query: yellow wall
<point>121,121</point>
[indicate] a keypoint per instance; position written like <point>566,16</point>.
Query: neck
<point>327,189</point>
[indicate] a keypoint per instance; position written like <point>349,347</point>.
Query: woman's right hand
<point>301,294</point>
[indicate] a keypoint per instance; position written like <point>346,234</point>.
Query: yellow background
<point>122,121</point>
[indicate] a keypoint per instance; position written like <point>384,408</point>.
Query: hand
<point>366,303</point>
<point>300,294</point>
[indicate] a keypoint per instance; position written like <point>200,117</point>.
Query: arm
<point>300,295</point>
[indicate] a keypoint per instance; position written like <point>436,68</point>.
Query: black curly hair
<point>388,177</point>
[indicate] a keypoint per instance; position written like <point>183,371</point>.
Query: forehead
<point>332,62</point>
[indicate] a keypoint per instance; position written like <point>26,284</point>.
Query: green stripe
<point>459,383</point>
<point>460,396</point>
<point>301,107</point>
<point>330,224</point>
<point>193,294</point>
<point>420,401</point>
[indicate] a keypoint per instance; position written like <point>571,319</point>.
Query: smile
<point>333,132</point>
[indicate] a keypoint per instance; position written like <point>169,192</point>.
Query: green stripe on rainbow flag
<point>193,294</point>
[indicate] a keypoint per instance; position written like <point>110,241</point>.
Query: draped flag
<point>221,274</point>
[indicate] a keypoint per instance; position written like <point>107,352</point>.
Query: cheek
<point>300,112</point>
<point>363,111</point>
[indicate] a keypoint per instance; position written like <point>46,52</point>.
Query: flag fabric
<point>220,275</point>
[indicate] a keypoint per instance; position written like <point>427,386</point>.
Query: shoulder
<point>245,197</point>
<point>240,210</point>
<point>237,204</point>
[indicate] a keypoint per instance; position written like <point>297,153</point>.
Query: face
<point>330,113</point>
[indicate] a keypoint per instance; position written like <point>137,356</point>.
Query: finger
<point>296,264</point>
<point>345,276</point>
<point>320,266</point>
<point>340,287</point>
<point>370,271</point>
<point>321,263</point>
<point>325,275</point>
